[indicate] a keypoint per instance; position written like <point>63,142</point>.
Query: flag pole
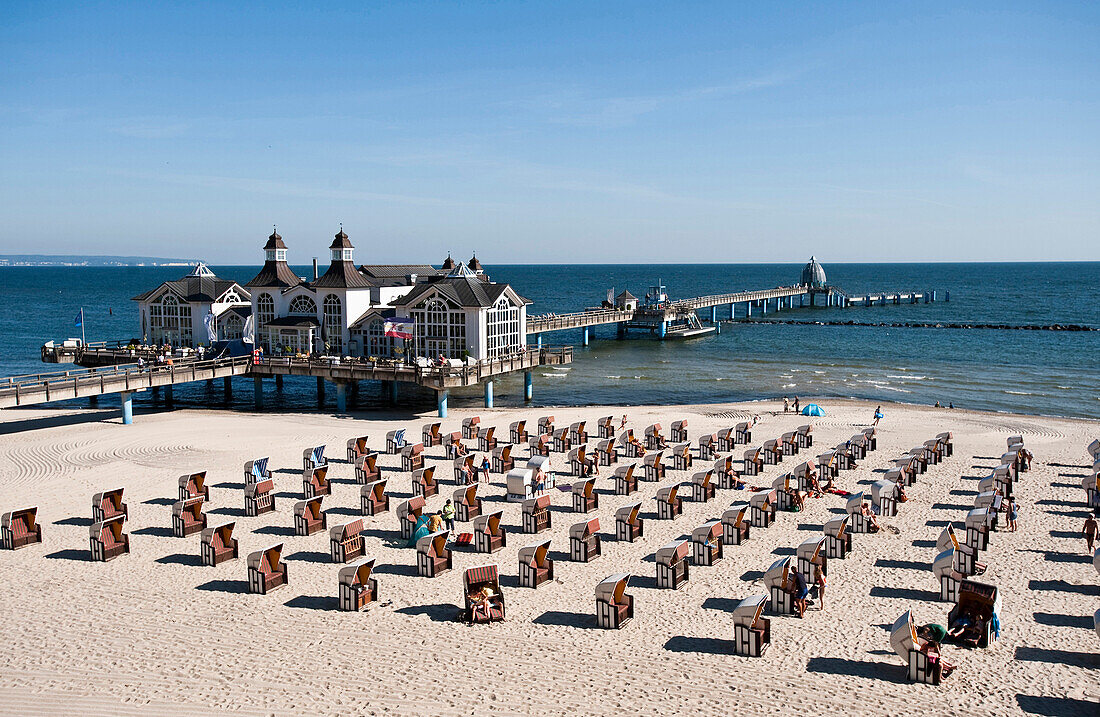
<point>83,341</point>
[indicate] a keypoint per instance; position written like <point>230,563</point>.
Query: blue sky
<point>587,131</point>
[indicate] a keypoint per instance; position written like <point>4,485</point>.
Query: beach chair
<point>357,588</point>
<point>654,466</point>
<point>981,601</point>
<point>669,504</point>
<point>107,540</point>
<point>859,523</point>
<point>672,565</point>
<point>805,436</point>
<point>546,425</point>
<point>433,557</point>
<point>918,458</point>
<point>606,453</point>
<point>628,522</point>
<point>706,543</point>
<point>367,469</point>
<point>259,498</point>
<point>625,480</point>
<point>743,432</point>
<point>904,640</point>
<point>789,443</point>
<point>373,498</point>
<point>256,470</point>
<point>520,484</point>
<point>577,434</point>
<point>934,451</point>
<point>266,570</point>
<point>424,482</point>
<point>777,578</point>
<point>898,476</point>
<point>584,541</point>
<point>1096,560</point>
<point>431,435</point>
<point>884,497</point>
<point>536,514</point>
<point>20,528</point>
<point>108,505</point>
<point>1093,449</point>
<point>827,465</point>
<point>681,457</point>
<point>725,439</point>
<point>578,460</point>
<point>753,463</point>
<point>735,524</point>
<point>543,468</point>
<point>412,457</point>
<point>193,485</point>
<point>357,447</point>
<point>845,457</point>
<point>978,523</point>
<point>484,599</point>
<point>762,507</point>
<point>218,545</point>
<point>653,437</point>
<point>346,541</point>
<point>946,439</point>
<point>395,441</point>
<point>470,427</point>
<point>679,431</point>
<point>702,486</point>
<point>605,427</point>
<point>489,535</point>
<point>838,541</point>
<point>1091,484</point>
<point>998,482</point>
<point>539,445</point>
<point>517,432</point>
<point>315,482</point>
<point>503,460</point>
<point>872,438</point>
<point>559,440</point>
<point>857,446</point>
<point>1014,463</point>
<point>725,473</point>
<point>784,487</point>
<point>1014,441</point>
<point>631,447</point>
<point>751,631</point>
<point>314,458</point>
<point>614,607</point>
<point>465,470</point>
<point>454,447</point>
<point>708,447</point>
<point>535,565</point>
<point>585,498</point>
<point>990,499</point>
<point>486,439</point>
<point>187,517</point>
<point>802,473</point>
<point>965,558</point>
<point>466,503</point>
<point>811,552</point>
<point>308,517</point>
<point>944,567</point>
<point>408,513</point>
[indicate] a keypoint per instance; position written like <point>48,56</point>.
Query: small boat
<point>689,327</point>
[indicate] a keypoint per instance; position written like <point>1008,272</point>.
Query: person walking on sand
<point>622,423</point>
<point>878,415</point>
<point>448,514</point>
<point>1089,532</point>
<point>1013,512</point>
<point>819,582</point>
<point>796,404</point>
<point>786,405</point>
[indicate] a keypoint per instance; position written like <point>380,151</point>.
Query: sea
<point>1020,371</point>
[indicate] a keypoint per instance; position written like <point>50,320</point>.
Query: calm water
<point>1055,373</point>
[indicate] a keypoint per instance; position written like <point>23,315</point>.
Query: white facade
<point>175,312</point>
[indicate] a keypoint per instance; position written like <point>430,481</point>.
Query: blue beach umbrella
<point>812,409</point>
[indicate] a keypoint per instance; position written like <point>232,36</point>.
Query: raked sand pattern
<point>154,632</point>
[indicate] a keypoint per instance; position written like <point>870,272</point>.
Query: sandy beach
<point>154,632</point>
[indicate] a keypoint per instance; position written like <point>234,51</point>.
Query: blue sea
<point>1044,372</point>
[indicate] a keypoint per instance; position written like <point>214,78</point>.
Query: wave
<point>914,378</point>
<point>562,368</point>
<point>789,385</point>
<point>555,375</point>
<point>1019,393</point>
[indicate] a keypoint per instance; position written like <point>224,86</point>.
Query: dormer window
<point>276,254</point>
<point>341,254</point>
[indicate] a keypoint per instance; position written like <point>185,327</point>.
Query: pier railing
<point>702,302</point>
<point>576,320</point>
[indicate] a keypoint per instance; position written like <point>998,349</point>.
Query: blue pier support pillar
<point>748,309</point>
<point>320,389</point>
<point>538,340</point>
<point>714,314</point>
<point>663,330</point>
<point>933,295</point>
<point>528,386</point>
<point>586,334</point>
<point>717,327</point>
<point>801,301</point>
<point>227,387</point>
<point>278,382</point>
<point>489,393</point>
<point>258,392</point>
<point>732,316</point>
<point>341,397</point>
<point>947,296</point>
<point>393,392</point>
<point>441,403</point>
<point>169,396</point>
<point>764,307</point>
<point>127,408</point>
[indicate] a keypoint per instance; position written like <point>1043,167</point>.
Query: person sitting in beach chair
<point>920,652</point>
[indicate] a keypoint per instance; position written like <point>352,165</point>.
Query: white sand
<point>154,632</point>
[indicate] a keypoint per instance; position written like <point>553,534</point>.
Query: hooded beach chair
<point>503,460</point>
<point>1093,449</point>
<point>194,485</point>
<point>108,505</point>
<point>256,470</point>
<point>982,602</point>
<point>784,487</point>
<point>489,535</point>
<point>314,458</point>
<point>777,580</point>
<point>762,507</point>
<point>605,427</point>
<point>789,443</point>
<point>424,482</point>
<point>486,439</point>
<point>614,607</point>
<point>1091,484</point>
<point>218,545</point>
<point>357,588</point>
<point>681,457</point>
<point>725,473</point>
<point>631,447</point>
<point>753,463</point>
<point>884,497</point>
<point>577,434</point>
<point>412,457</point>
<point>626,482</point>
<point>966,557</point>
<point>539,445</point>
<point>606,453</point>
<point>107,540</point>
<point>706,543</point>
<point>708,446</point>
<point>584,541</point>
<point>315,482</point>
<point>805,436</point>
<point>187,517</point>
<point>357,447</point>
<point>408,513</point>
<point>735,524</point>
<point>585,498</point>
<point>433,557</point>
<point>517,432</point>
<point>858,446</point>
<point>653,437</point>
<point>465,470</point>
<point>679,431</point>
<point>726,439</point>
<point>536,514</point>
<point>395,441</point>
<point>827,465</point>
<point>654,466</point>
<point>853,505</point>
<point>466,503</point>
<point>702,486</point>
<point>838,541</point>
<point>669,504</point>
<point>559,440</point>
<point>484,599</point>
<point>811,552</point>
<point>431,434</point>
<point>743,432</point>
<point>751,631</point>
<point>373,498</point>
<point>872,438</point>
<point>535,565</point>
<point>520,484</point>
<point>454,447</point>
<point>802,473</point>
<point>266,570</point>
<point>346,541</point>
<point>546,425</point>
<point>367,469</point>
<point>259,498</point>
<point>308,517</point>
<point>470,427</point>
<point>20,528</point>
<point>944,568</point>
<point>904,640</point>
<point>978,523</point>
<point>578,460</point>
<point>772,452</point>
<point>628,522</point>
<point>990,499</point>
<point>947,440</point>
<point>672,564</point>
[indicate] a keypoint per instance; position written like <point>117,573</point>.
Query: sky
<point>593,132</point>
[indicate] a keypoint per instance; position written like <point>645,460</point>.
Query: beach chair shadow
<point>285,531</point>
<point>902,564</point>
<point>811,527</point>
<point>224,586</point>
<point>229,484</point>
<point>234,512</point>
<point>961,492</point>
<point>1060,484</point>
<point>721,603</point>
<point>938,523</point>
<point>159,501</point>
<point>952,506</point>
<point>158,531</point>
<point>314,602</point>
<point>1063,586</point>
<point>922,543</point>
<point>752,575</point>
<point>310,556</point>
<point>289,494</point>
<point>69,554</point>
<point>558,618</point>
<point>192,559</point>
<point>509,581</point>
<point>343,510</point>
<point>289,471</point>
<point>1057,657</point>
<point>705,645</point>
<point>408,571</point>
<point>1054,706</point>
<point>856,668</point>
<point>643,582</point>
<point>1056,620</point>
<point>904,593</point>
<point>440,612</point>
<point>1052,556</point>
<point>75,520</point>
<point>1074,534</point>
<point>783,550</point>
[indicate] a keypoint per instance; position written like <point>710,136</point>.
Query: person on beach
<point>448,514</point>
<point>786,405</point>
<point>819,583</point>
<point>865,511</point>
<point>471,476</point>
<point>622,423</point>
<point>1027,456</point>
<point>796,404</point>
<point>540,482</point>
<point>485,468</point>
<point>799,592</point>
<point>931,648</point>
<point>1089,531</point>
<point>1013,512</point>
<point>435,522</point>
<point>878,415</point>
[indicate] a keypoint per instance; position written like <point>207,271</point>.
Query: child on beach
<point>1012,513</point>
<point>819,583</point>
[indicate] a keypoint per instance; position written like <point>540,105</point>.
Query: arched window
<point>502,328</point>
<point>334,323</point>
<point>265,312</point>
<point>303,306</point>
<point>377,343</point>
<point>440,329</point>
<point>232,326</point>
<point>170,321</point>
